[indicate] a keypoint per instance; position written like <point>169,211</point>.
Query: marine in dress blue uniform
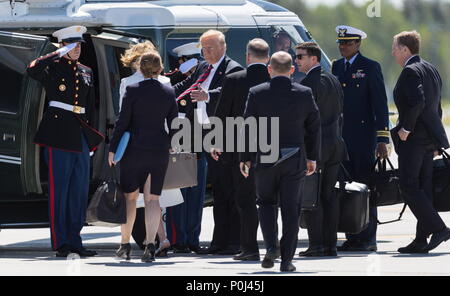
<point>67,138</point>
<point>366,120</point>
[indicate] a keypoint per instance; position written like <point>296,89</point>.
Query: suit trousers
<point>245,199</point>
<point>281,184</point>
<point>226,216</point>
<point>184,221</point>
<point>323,221</point>
<point>416,172</point>
<point>68,194</point>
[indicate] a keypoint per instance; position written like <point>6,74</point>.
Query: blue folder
<point>122,146</point>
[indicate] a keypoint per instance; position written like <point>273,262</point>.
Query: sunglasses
<point>301,55</point>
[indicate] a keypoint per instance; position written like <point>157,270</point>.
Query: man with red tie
<point>197,97</point>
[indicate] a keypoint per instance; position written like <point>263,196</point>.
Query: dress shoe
<point>149,253</point>
<point>368,248</point>
<point>358,247</point>
<point>63,251</point>
<point>124,251</point>
<point>247,256</point>
<point>313,252</point>
<point>347,246</point>
<point>194,248</point>
<point>438,238</point>
<point>181,249</point>
<point>210,250</point>
<point>84,252</point>
<point>269,260</point>
<point>416,247</point>
<point>330,252</point>
<point>229,251</point>
<point>287,267</point>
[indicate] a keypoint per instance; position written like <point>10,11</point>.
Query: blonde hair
<point>214,33</point>
<point>131,56</point>
<point>151,64</point>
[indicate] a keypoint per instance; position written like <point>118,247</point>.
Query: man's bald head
<point>281,64</point>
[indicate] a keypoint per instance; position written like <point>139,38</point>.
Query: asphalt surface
<point>27,252</point>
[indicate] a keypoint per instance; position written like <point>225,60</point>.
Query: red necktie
<point>199,81</point>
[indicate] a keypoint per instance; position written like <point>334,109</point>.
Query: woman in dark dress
<point>145,107</point>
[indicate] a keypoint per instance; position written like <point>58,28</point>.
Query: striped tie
<point>194,86</point>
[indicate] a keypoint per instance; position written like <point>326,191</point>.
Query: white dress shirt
<point>352,59</point>
<point>202,115</point>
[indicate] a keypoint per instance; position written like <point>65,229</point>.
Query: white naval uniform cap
<point>349,33</point>
<point>187,49</point>
<point>70,34</point>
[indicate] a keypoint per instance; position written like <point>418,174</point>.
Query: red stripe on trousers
<point>52,197</point>
<point>174,230</point>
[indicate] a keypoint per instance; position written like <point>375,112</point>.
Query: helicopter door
<point>21,106</point>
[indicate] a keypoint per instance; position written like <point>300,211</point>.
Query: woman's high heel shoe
<point>149,253</point>
<point>124,251</point>
<point>163,248</point>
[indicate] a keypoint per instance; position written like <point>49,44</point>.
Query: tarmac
<point>27,252</point>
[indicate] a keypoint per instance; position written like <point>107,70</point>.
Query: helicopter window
<point>12,66</point>
<point>116,71</point>
<point>172,59</point>
<point>286,38</point>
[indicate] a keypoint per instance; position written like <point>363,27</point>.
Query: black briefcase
<point>441,183</point>
<point>311,191</point>
<point>311,195</point>
<point>108,205</point>
<point>385,185</point>
<point>353,205</point>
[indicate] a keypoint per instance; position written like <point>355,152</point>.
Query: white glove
<point>64,50</point>
<point>188,65</point>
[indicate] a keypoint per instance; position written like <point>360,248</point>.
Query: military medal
<point>62,87</point>
<point>183,103</point>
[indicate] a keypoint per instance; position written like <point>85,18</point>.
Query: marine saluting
<point>67,137</point>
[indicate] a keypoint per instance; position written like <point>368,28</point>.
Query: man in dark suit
<point>293,107</point>
<point>241,207</point>
<point>418,136</point>
<point>322,222</point>
<point>197,98</point>
<point>366,124</point>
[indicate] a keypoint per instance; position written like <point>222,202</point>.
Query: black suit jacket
<point>329,97</point>
<point>417,96</point>
<point>226,67</point>
<point>299,118</point>
<point>234,98</point>
<point>145,107</point>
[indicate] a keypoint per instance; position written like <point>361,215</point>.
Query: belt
<point>74,109</point>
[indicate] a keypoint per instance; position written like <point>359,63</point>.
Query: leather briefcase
<point>385,185</point>
<point>353,205</point>
<point>181,171</point>
<point>311,191</point>
<point>441,183</point>
<point>311,195</point>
